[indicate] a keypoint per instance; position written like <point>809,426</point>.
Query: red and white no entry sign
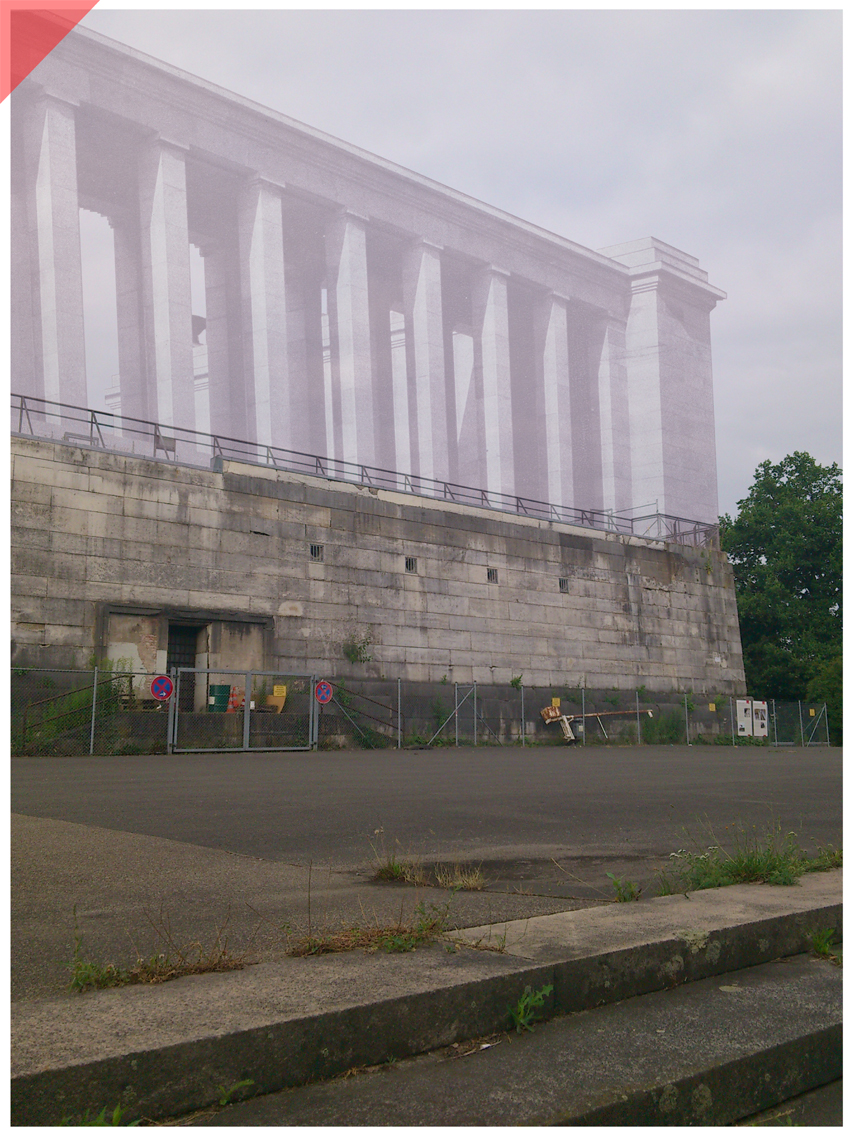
<point>324,692</point>
<point>162,687</point>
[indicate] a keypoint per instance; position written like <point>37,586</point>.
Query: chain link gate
<point>242,711</point>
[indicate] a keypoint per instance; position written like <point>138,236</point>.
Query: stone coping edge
<point>171,1080</point>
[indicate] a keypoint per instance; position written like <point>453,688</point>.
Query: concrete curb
<point>167,1049</point>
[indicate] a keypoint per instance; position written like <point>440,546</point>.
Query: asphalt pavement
<point>137,854</point>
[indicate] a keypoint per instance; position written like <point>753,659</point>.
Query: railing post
<point>93,711</point>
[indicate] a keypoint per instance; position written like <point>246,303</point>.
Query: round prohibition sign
<point>324,692</point>
<point>162,687</point>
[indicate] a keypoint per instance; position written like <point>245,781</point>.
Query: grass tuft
<point>459,876</point>
<point>429,923</point>
<point>175,961</point>
<point>771,855</point>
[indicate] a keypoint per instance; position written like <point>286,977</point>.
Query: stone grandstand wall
<point>349,581</point>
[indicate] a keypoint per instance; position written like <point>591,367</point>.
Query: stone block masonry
<point>430,589</point>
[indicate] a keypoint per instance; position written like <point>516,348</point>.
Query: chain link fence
<point>56,712</point>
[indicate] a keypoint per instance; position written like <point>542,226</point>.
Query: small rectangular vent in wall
<point>317,552</point>
<point>564,586</point>
<point>492,575</point>
<point>410,565</point>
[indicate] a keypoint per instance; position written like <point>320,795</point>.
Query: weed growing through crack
<point>770,855</point>
<point>175,961</point>
<point>428,924</point>
<point>459,876</point>
<point>226,1094</point>
<point>822,944</point>
<point>524,1013</point>
<point>626,891</point>
<point>104,1118</point>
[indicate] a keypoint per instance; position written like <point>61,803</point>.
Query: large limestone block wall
<point>93,531</point>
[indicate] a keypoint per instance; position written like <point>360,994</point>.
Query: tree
<point>785,551</point>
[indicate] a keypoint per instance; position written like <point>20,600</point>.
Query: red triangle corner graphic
<point>29,30</point>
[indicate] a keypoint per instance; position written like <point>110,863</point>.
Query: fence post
<point>522,710</point>
<point>826,721</point>
<point>775,730</point>
<point>637,713</point>
<point>802,734</point>
<point>687,727</point>
<point>399,714</point>
<point>93,710</point>
<point>583,726</point>
<point>170,727</point>
<point>455,714</point>
<point>246,720</point>
<point>732,719</point>
<point>474,715</point>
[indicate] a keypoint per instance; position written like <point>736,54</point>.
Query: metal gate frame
<point>249,675</point>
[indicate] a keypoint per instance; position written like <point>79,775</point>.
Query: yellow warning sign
<point>711,708</point>
<point>811,712</point>
<point>556,702</point>
<point>280,690</point>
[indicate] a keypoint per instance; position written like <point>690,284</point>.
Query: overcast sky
<point>716,131</point>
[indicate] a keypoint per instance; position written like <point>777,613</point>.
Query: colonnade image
<point>352,309</point>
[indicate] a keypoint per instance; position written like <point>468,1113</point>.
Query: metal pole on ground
<point>93,710</point>
<point>522,710</point>
<point>637,713</point>
<point>802,737</point>
<point>399,714</point>
<point>583,727</point>
<point>826,720</point>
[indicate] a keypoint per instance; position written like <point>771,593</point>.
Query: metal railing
<point>117,433</point>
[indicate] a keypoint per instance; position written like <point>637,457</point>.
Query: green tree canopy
<point>785,550</point>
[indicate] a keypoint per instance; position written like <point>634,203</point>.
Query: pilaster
<point>423,300</point>
<point>493,364</point>
<point>60,282</point>
<point>351,348</point>
<point>552,349</point>
<point>264,313</point>
<point>167,294</point>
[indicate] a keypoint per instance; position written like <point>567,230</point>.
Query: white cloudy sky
<point>716,131</point>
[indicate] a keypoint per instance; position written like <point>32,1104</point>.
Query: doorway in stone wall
<point>183,651</point>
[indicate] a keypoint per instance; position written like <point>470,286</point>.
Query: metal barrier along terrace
<point>116,433</point>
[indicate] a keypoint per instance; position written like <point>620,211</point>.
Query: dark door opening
<point>182,651</point>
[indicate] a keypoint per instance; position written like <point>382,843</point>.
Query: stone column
<point>348,310</point>
<point>167,292</point>
<point>60,281</point>
<point>264,313</point>
<point>493,364</point>
<point>423,303</point>
<point>128,294</point>
<point>550,323</point>
<point>614,428</point>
